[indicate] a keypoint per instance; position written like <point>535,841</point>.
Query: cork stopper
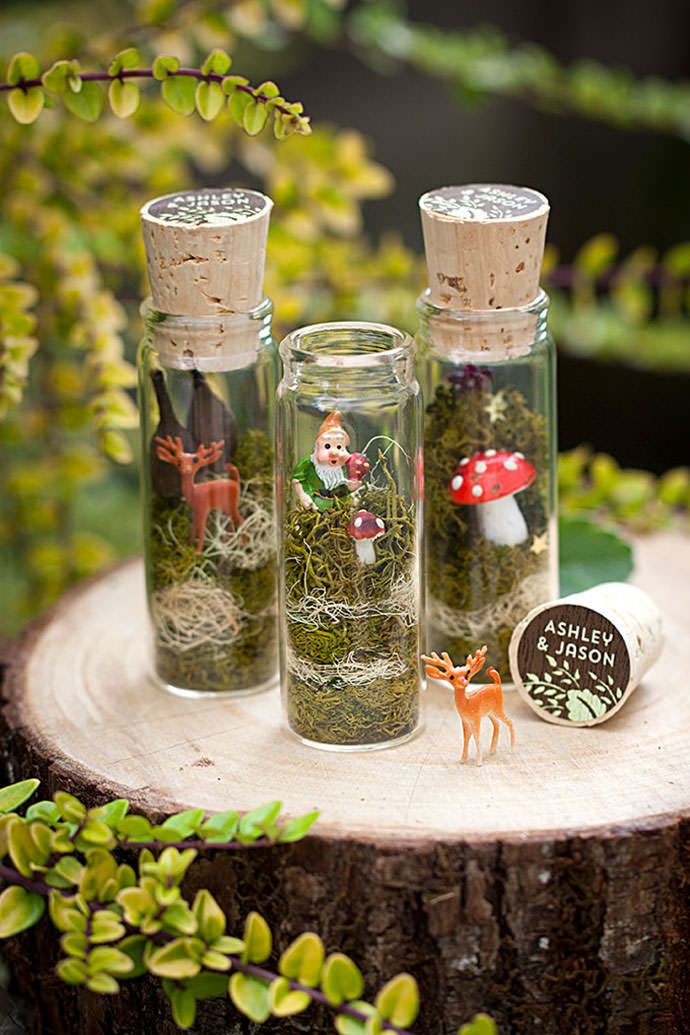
<point>206,250</point>
<point>484,245</point>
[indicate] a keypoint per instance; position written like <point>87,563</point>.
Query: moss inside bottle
<point>488,371</point>
<point>207,375</point>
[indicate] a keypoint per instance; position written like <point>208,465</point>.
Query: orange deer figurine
<point>472,707</point>
<point>219,494</point>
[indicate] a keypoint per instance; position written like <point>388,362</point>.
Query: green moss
<point>244,655</point>
<point>465,572</point>
<point>346,621</point>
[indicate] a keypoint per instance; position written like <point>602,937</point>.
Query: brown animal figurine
<point>219,494</point>
<point>472,707</point>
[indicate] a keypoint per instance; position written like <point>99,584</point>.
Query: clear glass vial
<point>349,524</point>
<point>487,366</point>
<point>207,381</point>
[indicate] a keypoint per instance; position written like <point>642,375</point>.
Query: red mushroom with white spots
<point>364,528</point>
<point>490,481</point>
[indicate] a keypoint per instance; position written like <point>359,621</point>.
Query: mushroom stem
<point>501,522</point>
<point>365,551</point>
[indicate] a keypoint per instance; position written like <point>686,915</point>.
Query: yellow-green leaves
<point>257,939</point>
<point>26,102</point>
<point>303,959</point>
<point>176,960</point>
<point>209,99</point>
<point>124,97</point>
<point>481,1024</point>
<point>63,76</point>
<point>250,996</point>
<point>284,1001</point>
<point>87,103</point>
<point>164,65</point>
<point>126,59</point>
<point>179,93</point>
<point>254,116</point>
<point>16,794</point>
<point>341,979</point>
<point>210,917</point>
<point>296,829</point>
<point>217,62</point>
<point>19,909</point>
<point>17,346</point>
<point>398,1000</point>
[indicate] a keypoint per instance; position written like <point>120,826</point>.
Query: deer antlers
<point>443,668</point>
<point>172,451</point>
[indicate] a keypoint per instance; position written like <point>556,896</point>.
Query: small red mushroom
<point>357,466</point>
<point>489,481</point>
<point>364,528</point>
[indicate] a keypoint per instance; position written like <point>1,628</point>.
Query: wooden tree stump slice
<point>548,887</point>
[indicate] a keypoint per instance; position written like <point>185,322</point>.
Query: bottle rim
<point>347,344</point>
<point>538,305</point>
<point>213,323</point>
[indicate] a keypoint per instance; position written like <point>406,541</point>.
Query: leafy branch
<point>208,90</point>
<point>484,62</point>
<point>117,923</point>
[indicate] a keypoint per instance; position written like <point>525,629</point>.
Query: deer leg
<point>465,741</point>
<point>494,735</point>
<point>477,730</point>
<point>510,726</point>
<point>201,530</point>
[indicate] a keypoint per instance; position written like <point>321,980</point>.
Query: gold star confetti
<point>496,407</point>
<point>540,543</point>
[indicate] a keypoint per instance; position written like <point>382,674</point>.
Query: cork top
<point>484,245</point>
<point>206,250</point>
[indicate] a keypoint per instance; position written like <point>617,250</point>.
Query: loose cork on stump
<point>548,888</point>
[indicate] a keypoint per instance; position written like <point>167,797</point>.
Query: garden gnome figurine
<point>331,471</point>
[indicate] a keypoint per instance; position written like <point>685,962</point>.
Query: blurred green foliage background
<point>71,260</point>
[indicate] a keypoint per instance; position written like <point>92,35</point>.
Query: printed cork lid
<point>206,250</point>
<point>484,245</point>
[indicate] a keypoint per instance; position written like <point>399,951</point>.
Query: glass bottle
<point>488,372</point>
<point>349,524</point>
<point>207,375</point>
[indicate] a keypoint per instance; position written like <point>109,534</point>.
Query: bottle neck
<point>488,334</point>
<point>209,343</point>
<point>348,353</point>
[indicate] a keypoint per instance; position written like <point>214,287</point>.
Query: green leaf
<point>255,116</point>
<point>217,61</point>
<point>597,255</point>
<point>207,985</point>
<point>64,915</point>
<point>183,823</point>
<point>72,971</point>
<point>209,100</point>
<point>69,807</point>
<point>95,832</point>
<point>135,828</point>
<point>296,829</point>
<point>164,65</point>
<point>106,927</point>
<point>179,93</point>
<point>124,98</point>
<point>239,100</point>
<point>21,846</point>
<point>210,917</point>
<point>47,811</point>
<point>215,960</point>
<point>111,960</point>
<point>259,821</point>
<point>75,944</point>
<point>69,868</point>
<point>257,939</point>
<point>183,1006</point>
<point>26,105</point>
<point>19,909</point>
<point>112,813</point>
<point>250,996</point>
<point>180,918</point>
<point>102,983</point>
<point>345,1025</point>
<point>173,961</point>
<point>128,58</point>
<point>221,828</point>
<point>61,76</point>
<point>590,554</point>
<point>398,1000</point>
<point>283,1001</point>
<point>87,104</point>
<point>230,946</point>
<point>268,89</point>
<point>303,959</point>
<point>22,66</point>
<point>134,947</point>
<point>341,979</point>
<point>481,1024</point>
<point>16,794</point>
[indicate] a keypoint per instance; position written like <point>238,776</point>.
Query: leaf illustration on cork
<point>583,705</point>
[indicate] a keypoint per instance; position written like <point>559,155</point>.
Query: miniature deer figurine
<point>202,497</point>
<point>472,707</point>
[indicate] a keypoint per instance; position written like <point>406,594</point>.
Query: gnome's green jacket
<point>305,474</point>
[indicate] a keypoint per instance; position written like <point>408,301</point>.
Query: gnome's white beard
<point>331,476</point>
